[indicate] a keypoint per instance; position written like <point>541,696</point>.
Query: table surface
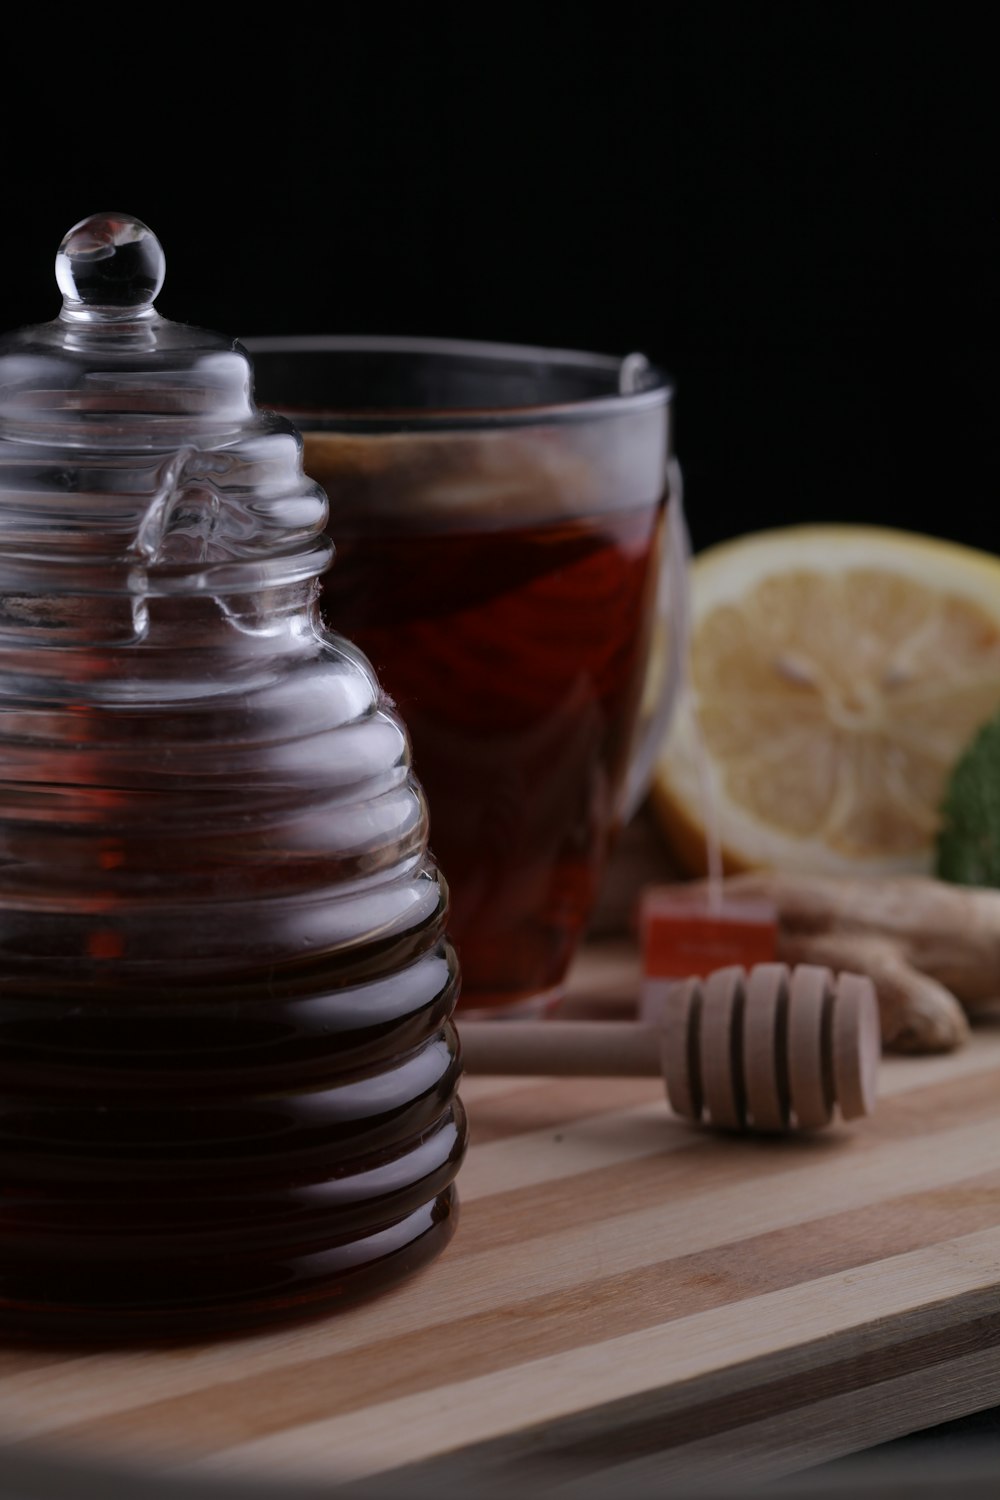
<point>628,1299</point>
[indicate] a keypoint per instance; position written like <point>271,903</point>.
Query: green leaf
<point>968,845</point>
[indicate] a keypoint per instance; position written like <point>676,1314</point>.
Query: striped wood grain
<point>627,1299</point>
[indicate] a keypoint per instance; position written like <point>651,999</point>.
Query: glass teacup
<point>500,521</point>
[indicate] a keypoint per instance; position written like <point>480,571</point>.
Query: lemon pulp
<point>835,675</point>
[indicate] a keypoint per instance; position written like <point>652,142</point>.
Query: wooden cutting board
<point>628,1300</point>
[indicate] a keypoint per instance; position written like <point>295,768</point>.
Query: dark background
<point>793,207</point>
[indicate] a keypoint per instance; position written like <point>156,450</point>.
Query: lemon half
<point>835,675</point>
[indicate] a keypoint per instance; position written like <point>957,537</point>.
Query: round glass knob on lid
<point>225,1010</point>
<point>111,266</point>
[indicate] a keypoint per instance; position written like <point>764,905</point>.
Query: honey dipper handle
<point>565,1048</point>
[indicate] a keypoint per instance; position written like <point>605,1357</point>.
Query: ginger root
<point>932,949</point>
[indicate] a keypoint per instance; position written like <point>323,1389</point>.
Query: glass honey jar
<point>228,1071</point>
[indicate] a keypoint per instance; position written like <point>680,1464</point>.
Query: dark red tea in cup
<point>501,567</point>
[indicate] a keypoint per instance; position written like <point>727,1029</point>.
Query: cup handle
<point>672,612</point>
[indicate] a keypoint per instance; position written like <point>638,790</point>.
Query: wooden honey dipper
<point>772,1050</point>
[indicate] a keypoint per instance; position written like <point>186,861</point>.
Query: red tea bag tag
<point>688,935</point>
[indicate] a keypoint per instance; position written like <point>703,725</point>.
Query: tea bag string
<point>679,685</point>
<point>679,606</point>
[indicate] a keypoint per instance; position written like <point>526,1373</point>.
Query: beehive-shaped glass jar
<point>227,1069</point>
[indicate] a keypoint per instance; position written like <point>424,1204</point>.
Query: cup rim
<point>657,386</point>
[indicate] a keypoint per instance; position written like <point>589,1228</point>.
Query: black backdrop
<point>794,207</point>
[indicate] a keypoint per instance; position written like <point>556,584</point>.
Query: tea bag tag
<point>688,936</point>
